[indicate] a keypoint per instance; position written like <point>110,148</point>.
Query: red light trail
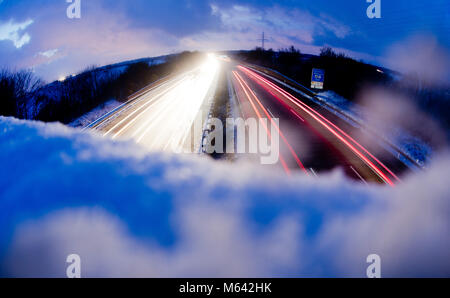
<point>294,155</point>
<point>336,131</point>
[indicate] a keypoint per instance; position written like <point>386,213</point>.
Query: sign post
<point>318,78</point>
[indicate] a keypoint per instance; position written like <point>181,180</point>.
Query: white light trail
<point>164,121</point>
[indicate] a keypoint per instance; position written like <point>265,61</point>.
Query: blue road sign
<point>318,78</point>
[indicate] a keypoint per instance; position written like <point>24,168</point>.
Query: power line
<point>263,40</point>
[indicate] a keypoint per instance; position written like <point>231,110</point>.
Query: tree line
<point>25,96</point>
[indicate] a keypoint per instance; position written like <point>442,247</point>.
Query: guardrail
<point>130,99</point>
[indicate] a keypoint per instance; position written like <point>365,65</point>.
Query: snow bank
<point>128,213</point>
<point>412,146</point>
<point>96,113</point>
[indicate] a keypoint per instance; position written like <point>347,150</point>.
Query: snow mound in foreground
<point>132,214</point>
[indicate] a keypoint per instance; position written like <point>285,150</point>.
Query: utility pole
<point>263,40</point>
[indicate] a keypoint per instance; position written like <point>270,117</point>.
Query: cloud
<point>176,18</point>
<point>242,25</point>
<point>49,53</point>
<point>131,213</point>
<point>114,39</point>
<point>292,25</point>
<point>13,32</point>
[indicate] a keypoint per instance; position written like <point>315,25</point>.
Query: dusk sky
<point>37,34</point>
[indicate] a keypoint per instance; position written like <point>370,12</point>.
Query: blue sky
<point>37,33</point>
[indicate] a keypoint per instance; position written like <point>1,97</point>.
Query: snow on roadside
<point>130,213</point>
<point>341,104</point>
<point>95,114</point>
<point>410,145</point>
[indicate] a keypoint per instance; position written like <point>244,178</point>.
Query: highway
<point>162,118</point>
<point>312,139</point>
<point>167,116</point>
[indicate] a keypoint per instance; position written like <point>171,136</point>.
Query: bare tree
<point>16,90</point>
